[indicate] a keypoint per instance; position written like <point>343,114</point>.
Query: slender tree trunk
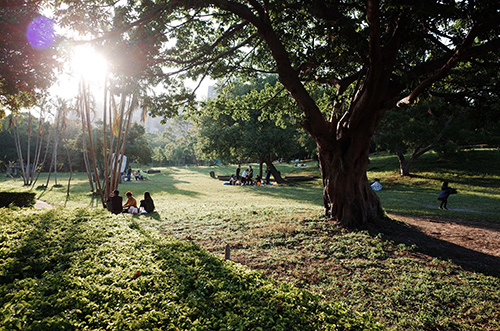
<point>85,152</point>
<point>56,145</point>
<point>403,165</point>
<point>43,161</point>
<point>86,109</point>
<point>18,148</point>
<point>70,171</point>
<point>38,152</point>
<point>28,154</point>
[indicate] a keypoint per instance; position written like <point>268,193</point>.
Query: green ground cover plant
<point>279,230</point>
<point>88,270</point>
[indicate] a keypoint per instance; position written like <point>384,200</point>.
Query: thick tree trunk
<point>344,142</point>
<point>347,195</point>
<point>276,174</point>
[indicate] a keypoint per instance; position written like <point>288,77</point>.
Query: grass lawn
<point>279,230</point>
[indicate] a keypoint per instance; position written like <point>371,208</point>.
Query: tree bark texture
<point>347,195</point>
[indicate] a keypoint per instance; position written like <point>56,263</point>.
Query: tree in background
<point>138,148</point>
<point>177,144</point>
<point>374,56</point>
<point>416,130</point>
<point>233,127</point>
<point>460,111</point>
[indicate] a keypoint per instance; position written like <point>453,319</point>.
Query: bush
<point>19,199</point>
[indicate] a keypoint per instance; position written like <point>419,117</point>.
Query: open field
<point>279,230</point>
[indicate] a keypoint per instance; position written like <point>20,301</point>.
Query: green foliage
<point>368,55</point>
<point>19,199</point>
<point>254,120</point>
<point>138,148</point>
<point>26,72</point>
<point>89,270</point>
<point>278,229</point>
<point>45,130</point>
<point>176,145</point>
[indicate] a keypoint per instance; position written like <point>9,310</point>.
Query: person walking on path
<point>446,191</point>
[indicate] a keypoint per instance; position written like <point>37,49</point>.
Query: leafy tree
<point>26,70</point>
<point>138,148</point>
<point>177,144</point>
<point>462,110</point>
<point>416,129</point>
<point>374,55</point>
<point>233,127</point>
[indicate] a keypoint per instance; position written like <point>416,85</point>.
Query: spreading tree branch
<point>464,51</point>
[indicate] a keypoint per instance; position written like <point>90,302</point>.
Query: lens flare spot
<point>40,33</point>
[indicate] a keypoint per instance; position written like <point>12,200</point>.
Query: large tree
<point>375,55</point>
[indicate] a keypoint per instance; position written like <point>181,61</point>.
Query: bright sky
<point>90,65</point>
<point>87,63</point>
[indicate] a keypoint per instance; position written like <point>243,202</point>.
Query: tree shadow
<point>403,233</point>
<point>486,225</point>
<point>155,215</point>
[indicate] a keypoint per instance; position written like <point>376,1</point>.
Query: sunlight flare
<point>87,63</point>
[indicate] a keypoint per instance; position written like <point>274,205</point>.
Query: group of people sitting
<point>116,206</point>
<point>247,178</point>
<point>138,175</point>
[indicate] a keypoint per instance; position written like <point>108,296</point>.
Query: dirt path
<point>483,237</point>
<point>475,245</point>
<point>42,204</point>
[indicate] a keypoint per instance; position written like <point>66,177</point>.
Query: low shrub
<point>86,269</point>
<point>19,199</point>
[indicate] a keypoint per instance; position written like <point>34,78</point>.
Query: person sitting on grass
<point>268,176</point>
<point>131,205</point>
<point>144,175</point>
<point>114,202</point>
<point>375,185</point>
<point>137,175</point>
<point>147,203</point>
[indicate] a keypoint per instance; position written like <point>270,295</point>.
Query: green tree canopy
<point>235,126</point>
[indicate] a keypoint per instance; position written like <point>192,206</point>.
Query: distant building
<point>212,94</point>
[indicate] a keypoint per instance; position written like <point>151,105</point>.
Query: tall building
<point>211,92</point>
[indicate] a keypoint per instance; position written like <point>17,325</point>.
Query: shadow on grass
<point>470,260</point>
<point>303,192</point>
<point>154,215</point>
